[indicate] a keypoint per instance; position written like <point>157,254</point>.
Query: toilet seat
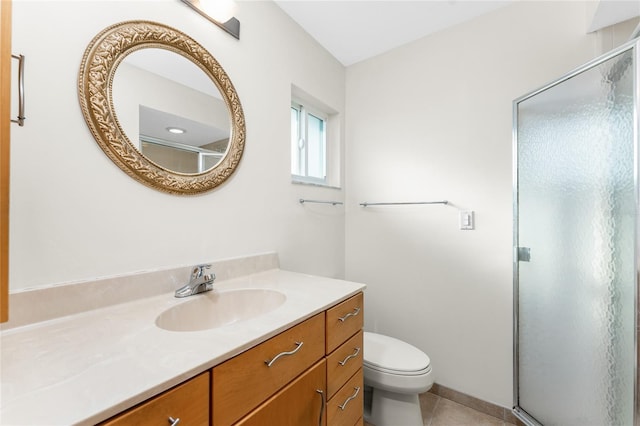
<point>398,373</point>
<point>392,356</point>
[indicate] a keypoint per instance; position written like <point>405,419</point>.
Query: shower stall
<point>576,246</point>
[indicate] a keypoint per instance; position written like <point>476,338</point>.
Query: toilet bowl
<point>395,372</point>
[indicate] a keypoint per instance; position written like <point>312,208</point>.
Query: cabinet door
<point>344,320</point>
<point>245,381</point>
<point>188,403</point>
<point>299,403</point>
<point>346,406</point>
<point>5,134</point>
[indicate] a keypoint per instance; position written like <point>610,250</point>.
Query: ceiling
<point>355,30</point>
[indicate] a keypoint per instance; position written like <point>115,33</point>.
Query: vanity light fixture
<point>176,130</point>
<point>219,14</point>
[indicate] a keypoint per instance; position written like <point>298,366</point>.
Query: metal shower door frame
<point>634,46</point>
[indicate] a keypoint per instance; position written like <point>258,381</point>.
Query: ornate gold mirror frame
<point>95,80</point>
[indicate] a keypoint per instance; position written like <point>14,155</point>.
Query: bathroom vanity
<point>300,363</point>
<point>290,389</point>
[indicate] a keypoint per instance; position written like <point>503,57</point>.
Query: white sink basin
<point>219,308</point>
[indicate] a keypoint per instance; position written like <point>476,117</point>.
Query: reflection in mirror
<point>171,111</point>
<point>179,144</point>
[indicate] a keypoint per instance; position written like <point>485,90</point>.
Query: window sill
<point>321,185</point>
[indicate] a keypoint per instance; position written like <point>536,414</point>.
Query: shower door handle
<point>524,254</point>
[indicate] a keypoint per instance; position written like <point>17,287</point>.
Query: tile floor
<point>438,411</point>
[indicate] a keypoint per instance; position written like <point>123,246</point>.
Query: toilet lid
<point>387,353</point>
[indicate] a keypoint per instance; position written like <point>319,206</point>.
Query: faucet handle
<point>208,281</point>
<point>198,270</point>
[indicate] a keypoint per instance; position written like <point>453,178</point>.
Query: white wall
<point>429,121</point>
<point>76,216</point>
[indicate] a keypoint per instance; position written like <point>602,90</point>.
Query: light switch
<point>466,220</point>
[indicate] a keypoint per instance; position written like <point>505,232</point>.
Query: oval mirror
<point>161,107</point>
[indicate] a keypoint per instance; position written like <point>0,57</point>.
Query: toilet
<point>395,372</point>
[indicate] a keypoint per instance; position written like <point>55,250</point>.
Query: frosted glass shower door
<point>575,238</point>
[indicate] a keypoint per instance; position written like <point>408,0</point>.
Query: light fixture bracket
<point>232,26</point>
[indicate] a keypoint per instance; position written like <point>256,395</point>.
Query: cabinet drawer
<point>188,402</point>
<point>343,363</point>
<point>344,320</point>
<point>345,408</point>
<point>245,381</point>
<point>299,403</point>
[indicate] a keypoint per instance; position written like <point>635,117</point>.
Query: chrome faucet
<point>199,282</point>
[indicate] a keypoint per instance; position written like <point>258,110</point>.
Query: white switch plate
<point>467,221</point>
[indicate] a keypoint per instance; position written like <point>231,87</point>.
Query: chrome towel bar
<point>365,204</point>
<point>302,201</point>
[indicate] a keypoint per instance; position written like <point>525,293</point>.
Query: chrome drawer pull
<point>322,404</point>
<point>353,355</point>
<point>270,363</point>
<point>355,312</point>
<point>173,421</point>
<point>355,394</point>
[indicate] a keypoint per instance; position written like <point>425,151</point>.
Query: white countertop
<point>85,368</point>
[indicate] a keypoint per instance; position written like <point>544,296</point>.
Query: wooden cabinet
<point>345,408</point>
<point>310,374</point>
<point>343,363</point>
<point>5,134</point>
<point>344,320</point>
<point>245,381</point>
<point>187,403</point>
<point>345,385</point>
<point>299,403</point>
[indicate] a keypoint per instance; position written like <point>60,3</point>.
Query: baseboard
<point>477,404</point>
